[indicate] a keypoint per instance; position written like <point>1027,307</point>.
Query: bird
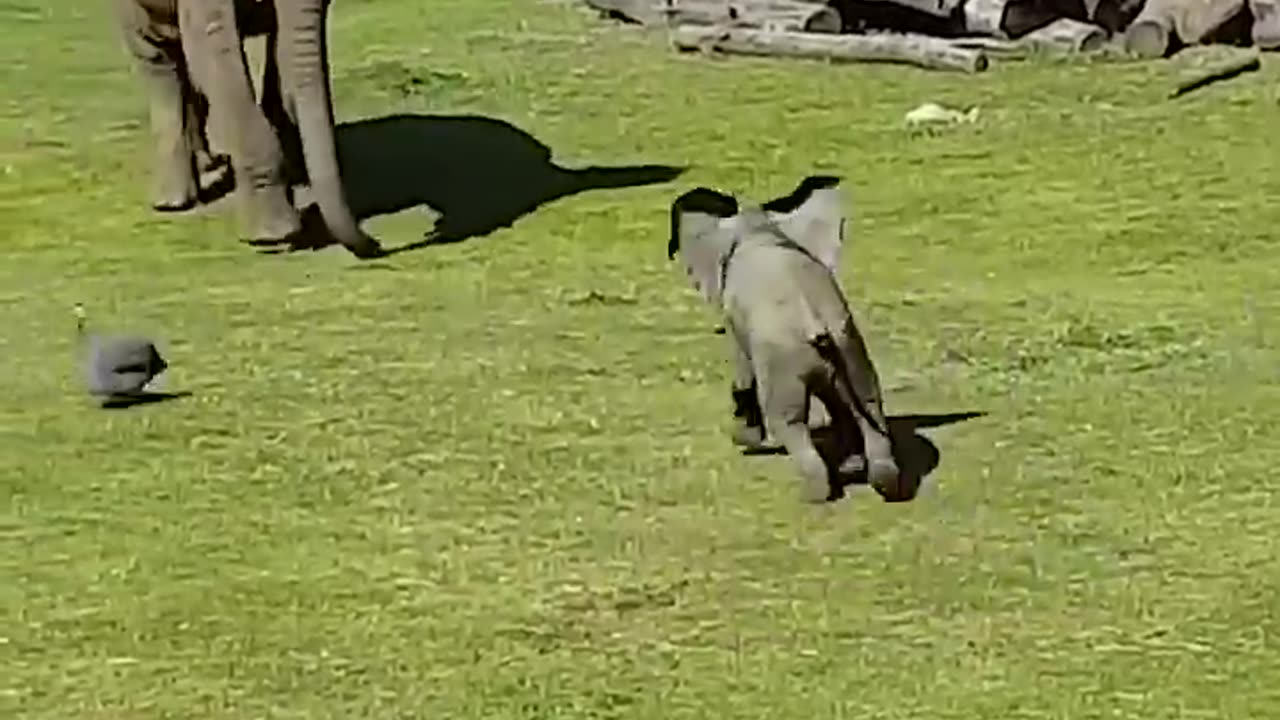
<point>117,367</point>
<point>931,115</point>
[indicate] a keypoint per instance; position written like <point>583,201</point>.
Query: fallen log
<point>795,15</point>
<point>1066,35</point>
<point>765,14</point>
<point>1151,35</point>
<point>1224,70</point>
<point>919,50</point>
<point>1164,26</point>
<point>1266,24</point>
<point>1058,37</point>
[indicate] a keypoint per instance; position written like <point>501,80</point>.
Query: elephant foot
<point>270,219</point>
<point>889,481</point>
<point>175,194</point>
<point>815,490</point>
<point>172,204</point>
<point>753,438</point>
<point>272,230</point>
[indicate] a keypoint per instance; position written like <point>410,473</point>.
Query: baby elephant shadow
<point>917,456</point>
<point>479,173</point>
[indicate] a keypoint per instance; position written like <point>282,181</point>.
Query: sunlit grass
<point>444,486</point>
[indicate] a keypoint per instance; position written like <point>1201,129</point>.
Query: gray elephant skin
<point>770,270</point>
<point>191,56</point>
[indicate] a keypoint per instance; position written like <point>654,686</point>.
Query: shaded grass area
<point>492,479</point>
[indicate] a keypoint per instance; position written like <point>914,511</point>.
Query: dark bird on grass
<point>117,367</point>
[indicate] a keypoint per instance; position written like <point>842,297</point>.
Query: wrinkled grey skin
<point>191,56</point>
<point>118,366</point>
<point>771,270</point>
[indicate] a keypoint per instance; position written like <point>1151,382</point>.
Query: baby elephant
<point>771,270</point>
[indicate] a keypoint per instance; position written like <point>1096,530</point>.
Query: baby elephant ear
<point>702,232</point>
<point>813,216</point>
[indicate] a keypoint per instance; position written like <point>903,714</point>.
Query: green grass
<point>443,487</point>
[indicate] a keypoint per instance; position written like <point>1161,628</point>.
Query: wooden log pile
<point>955,35</point>
<point>920,50</point>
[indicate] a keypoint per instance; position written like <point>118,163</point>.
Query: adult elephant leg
<point>281,112</point>
<point>209,33</point>
<point>173,180</point>
<point>212,167</point>
<point>211,152</point>
<point>305,67</point>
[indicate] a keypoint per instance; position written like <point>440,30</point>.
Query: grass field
<point>493,479</point>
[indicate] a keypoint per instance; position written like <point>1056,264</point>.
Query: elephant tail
<point>602,178</point>
<point>829,350</point>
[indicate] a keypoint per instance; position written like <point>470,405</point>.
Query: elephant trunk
<point>303,39</point>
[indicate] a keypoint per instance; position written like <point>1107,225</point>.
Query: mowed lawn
<point>493,479</point>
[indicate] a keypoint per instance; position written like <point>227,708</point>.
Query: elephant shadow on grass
<point>479,173</point>
<point>917,455</point>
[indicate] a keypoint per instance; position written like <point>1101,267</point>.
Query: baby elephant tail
<point>829,351</point>
<point>882,469</point>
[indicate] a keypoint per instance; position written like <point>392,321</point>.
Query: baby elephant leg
<point>883,473</point>
<point>748,426</point>
<point>879,465</point>
<point>862,383</point>
<point>158,54</point>
<point>786,411</point>
<point>844,449</point>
